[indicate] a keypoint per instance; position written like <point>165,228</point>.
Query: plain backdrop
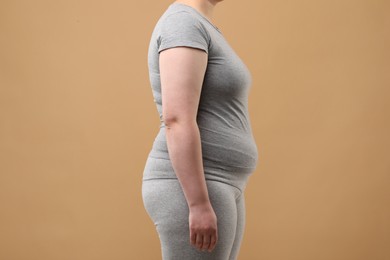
<point>77,120</point>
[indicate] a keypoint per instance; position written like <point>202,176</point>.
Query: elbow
<point>173,121</point>
<point>170,121</point>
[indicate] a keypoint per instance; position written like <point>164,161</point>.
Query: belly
<point>228,151</point>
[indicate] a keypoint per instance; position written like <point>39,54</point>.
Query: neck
<point>206,7</point>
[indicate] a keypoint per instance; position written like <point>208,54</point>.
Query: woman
<point>197,170</point>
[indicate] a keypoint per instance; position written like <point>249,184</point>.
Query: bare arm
<point>182,72</point>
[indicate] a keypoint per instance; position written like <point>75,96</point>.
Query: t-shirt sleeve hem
<point>182,44</point>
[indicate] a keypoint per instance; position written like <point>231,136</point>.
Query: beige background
<point>77,120</point>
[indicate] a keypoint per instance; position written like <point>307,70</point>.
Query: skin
<point>182,71</point>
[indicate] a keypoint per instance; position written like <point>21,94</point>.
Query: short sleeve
<point>182,29</point>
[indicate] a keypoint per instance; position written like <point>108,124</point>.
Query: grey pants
<point>165,203</point>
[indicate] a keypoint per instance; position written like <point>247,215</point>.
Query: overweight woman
<point>198,167</point>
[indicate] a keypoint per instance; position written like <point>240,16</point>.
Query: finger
<point>192,238</point>
<point>206,242</point>
<point>213,242</point>
<point>199,241</point>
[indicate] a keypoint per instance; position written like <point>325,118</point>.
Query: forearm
<point>185,152</point>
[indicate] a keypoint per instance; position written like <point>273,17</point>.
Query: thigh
<point>166,205</point>
<point>240,227</point>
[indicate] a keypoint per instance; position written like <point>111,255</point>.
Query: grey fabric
<point>228,148</point>
<point>166,205</point>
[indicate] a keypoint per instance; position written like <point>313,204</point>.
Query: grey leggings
<point>165,203</point>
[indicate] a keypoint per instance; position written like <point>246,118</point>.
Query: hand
<point>203,227</point>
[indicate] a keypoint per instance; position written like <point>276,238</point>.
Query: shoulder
<point>180,18</point>
<point>182,28</point>
<point>183,22</point>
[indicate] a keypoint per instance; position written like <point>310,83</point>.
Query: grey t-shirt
<point>228,147</point>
